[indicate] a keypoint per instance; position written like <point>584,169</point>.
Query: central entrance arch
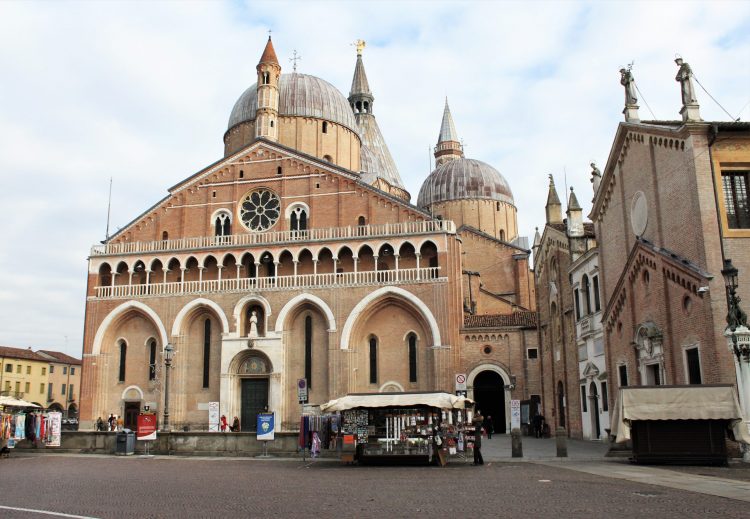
<point>487,385</point>
<point>253,371</point>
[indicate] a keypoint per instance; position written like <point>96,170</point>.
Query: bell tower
<point>267,114</point>
<point>448,147</point>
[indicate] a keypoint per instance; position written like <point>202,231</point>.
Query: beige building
<point>23,375</point>
<point>298,255</point>
<point>64,384</point>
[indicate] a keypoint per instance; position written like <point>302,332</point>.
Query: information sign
<point>302,390</point>
<point>265,426</point>
<point>515,414</point>
<point>213,416</point>
<point>146,427</point>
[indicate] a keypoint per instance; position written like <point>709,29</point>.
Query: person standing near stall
<point>478,420</point>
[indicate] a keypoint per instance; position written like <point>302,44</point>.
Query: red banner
<point>146,429</point>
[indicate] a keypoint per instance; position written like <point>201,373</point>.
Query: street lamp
<point>738,339</point>
<point>168,355</point>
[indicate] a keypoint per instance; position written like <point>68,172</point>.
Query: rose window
<point>259,210</point>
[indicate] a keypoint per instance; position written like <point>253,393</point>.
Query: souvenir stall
<point>318,432</point>
<point>419,428</point>
<point>21,420</point>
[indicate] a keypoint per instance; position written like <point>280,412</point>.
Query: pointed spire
<point>447,128</point>
<point>448,146</point>
<point>537,238</point>
<point>553,207</point>
<point>573,204</point>
<point>359,82</point>
<point>360,96</point>
<point>269,55</point>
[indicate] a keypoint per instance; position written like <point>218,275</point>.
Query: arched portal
<point>489,395</point>
<point>250,373</point>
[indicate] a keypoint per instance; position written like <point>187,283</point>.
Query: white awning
<point>9,401</point>
<point>677,403</point>
<point>439,400</point>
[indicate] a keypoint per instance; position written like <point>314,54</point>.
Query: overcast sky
<point>142,91</point>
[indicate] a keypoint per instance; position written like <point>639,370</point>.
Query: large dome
<point>462,179</point>
<point>299,95</point>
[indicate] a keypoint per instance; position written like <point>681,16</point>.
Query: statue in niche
<point>627,80</point>
<point>253,324</point>
<point>685,78</point>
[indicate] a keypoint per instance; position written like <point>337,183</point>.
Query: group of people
<point>224,425</point>
<point>114,423</point>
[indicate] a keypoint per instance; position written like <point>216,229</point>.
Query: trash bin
<point>125,443</point>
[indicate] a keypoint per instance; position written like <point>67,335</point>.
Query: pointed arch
<point>119,312</point>
<point>384,292</point>
<point>192,305</point>
<point>301,298</point>
<point>242,304</point>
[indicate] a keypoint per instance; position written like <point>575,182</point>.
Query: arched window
<point>206,350</point>
<point>298,219</point>
<point>164,235</point>
<point>586,294</point>
<point>222,225</point>
<point>412,357</point>
<point>373,360</point>
<point>308,351</point>
<point>271,123</point>
<point>151,359</point>
<point>502,235</point>
<point>123,358</point>
<point>266,78</point>
<point>325,127</point>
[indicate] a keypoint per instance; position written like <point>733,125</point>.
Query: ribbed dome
<point>462,179</point>
<point>299,95</point>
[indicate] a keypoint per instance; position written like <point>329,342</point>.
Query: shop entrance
<point>132,410</point>
<point>489,394</point>
<point>254,401</point>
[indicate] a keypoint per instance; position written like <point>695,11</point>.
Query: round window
<point>259,210</point>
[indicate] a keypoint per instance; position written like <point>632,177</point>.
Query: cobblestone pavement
<point>110,487</point>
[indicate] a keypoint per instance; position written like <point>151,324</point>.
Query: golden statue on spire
<point>360,44</point>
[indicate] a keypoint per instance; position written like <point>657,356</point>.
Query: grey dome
<point>299,95</point>
<point>462,179</point>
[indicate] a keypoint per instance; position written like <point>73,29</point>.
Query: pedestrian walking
<point>537,424</point>
<point>120,423</point>
<point>478,420</point>
<point>489,427</point>
<point>112,421</point>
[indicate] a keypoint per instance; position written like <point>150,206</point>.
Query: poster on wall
<point>213,416</point>
<point>265,426</point>
<point>55,426</point>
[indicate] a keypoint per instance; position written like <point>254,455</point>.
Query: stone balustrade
<point>264,284</point>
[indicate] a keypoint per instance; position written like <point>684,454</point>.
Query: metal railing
<point>260,284</point>
<point>275,237</point>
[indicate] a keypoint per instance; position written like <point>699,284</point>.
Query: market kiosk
<point>679,424</point>
<point>403,428</point>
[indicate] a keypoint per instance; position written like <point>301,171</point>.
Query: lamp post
<point>738,340</point>
<point>168,355</point>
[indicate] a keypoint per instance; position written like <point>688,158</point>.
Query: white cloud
<point>141,92</point>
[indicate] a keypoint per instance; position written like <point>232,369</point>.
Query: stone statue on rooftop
<point>627,80</point>
<point>596,177</point>
<point>685,78</point>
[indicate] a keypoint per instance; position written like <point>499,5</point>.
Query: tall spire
<point>377,162</point>
<point>269,54</point>
<point>448,146</point>
<point>360,95</point>
<point>553,207</point>
<point>575,215</point>
<point>447,128</point>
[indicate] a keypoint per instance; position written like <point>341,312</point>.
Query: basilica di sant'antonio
<point>299,254</point>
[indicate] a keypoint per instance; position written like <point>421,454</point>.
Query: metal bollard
<point>516,443</point>
<point>562,442</point>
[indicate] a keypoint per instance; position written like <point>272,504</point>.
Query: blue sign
<point>265,426</point>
